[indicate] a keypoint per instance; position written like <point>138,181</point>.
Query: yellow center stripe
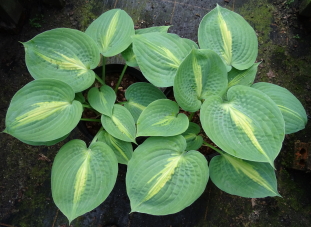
<point>226,38</point>
<point>108,36</point>
<point>121,127</point>
<point>291,112</point>
<point>42,111</point>
<point>162,177</point>
<point>249,171</point>
<point>137,105</point>
<point>115,145</point>
<point>197,76</point>
<point>165,121</point>
<point>245,123</point>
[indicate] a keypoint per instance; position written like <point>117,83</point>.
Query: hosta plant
<point>246,121</point>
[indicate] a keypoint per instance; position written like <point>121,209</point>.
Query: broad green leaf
<point>112,32</point>
<point>102,99</point>
<point>243,178</point>
<point>121,124</point>
<point>162,178</point>
<point>129,55</point>
<point>242,77</point>
<point>294,114</point>
<point>82,178</point>
<point>159,55</point>
<point>123,150</point>
<point>161,118</point>
<point>248,126</point>
<point>43,110</point>
<point>48,143</point>
<point>194,141</point>
<point>79,97</point>
<point>200,75</point>
<point>64,54</point>
<point>230,36</point>
<point>139,96</point>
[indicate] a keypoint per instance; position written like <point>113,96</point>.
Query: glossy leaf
<point>248,126</point>
<point>159,55</point>
<point>243,178</point>
<point>121,124</point>
<point>200,75</point>
<point>161,118</point>
<point>139,96</point>
<point>230,36</point>
<point>43,110</point>
<point>294,114</point>
<point>102,99</point>
<point>242,77</point>
<point>112,32</point>
<point>162,178</point>
<point>129,55</point>
<point>82,178</point>
<point>64,54</point>
<point>194,141</point>
<point>123,150</point>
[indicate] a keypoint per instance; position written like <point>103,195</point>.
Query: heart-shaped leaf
<point>200,75</point>
<point>159,55</point>
<point>123,150</point>
<point>112,32</point>
<point>129,55</point>
<point>121,124</point>
<point>243,178</point>
<point>194,141</point>
<point>82,177</point>
<point>43,110</point>
<point>102,100</point>
<point>162,178</point>
<point>161,118</point>
<point>294,114</point>
<point>64,54</point>
<point>139,96</point>
<point>242,77</point>
<point>248,126</point>
<point>230,36</point>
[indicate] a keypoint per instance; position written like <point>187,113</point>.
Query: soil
<point>285,52</point>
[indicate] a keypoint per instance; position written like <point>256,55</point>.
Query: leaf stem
<point>87,106</point>
<point>211,146</point>
<point>90,119</point>
<point>120,78</point>
<point>96,136</point>
<point>191,116</point>
<point>104,68</point>
<point>99,79</point>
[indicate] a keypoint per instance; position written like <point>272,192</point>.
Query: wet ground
<point>285,52</point>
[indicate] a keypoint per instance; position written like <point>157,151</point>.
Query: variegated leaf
<point>294,114</point>
<point>123,150</point>
<point>139,96</point>
<point>82,178</point>
<point>248,126</point>
<point>102,99</point>
<point>159,55</point>
<point>243,178</point>
<point>64,54</point>
<point>112,32</point>
<point>162,178</point>
<point>43,110</point>
<point>242,77</point>
<point>194,141</point>
<point>129,55</point>
<point>200,75</point>
<point>229,35</point>
<point>121,124</point>
<point>161,118</point>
